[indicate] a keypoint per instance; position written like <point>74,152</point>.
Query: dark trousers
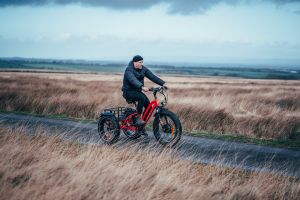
<point>140,97</point>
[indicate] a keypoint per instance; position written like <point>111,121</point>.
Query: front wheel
<point>167,128</point>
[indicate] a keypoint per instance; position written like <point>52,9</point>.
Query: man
<point>133,85</point>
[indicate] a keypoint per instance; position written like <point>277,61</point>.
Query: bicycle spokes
<point>167,128</point>
<point>108,130</point>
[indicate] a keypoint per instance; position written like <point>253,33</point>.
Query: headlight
<point>164,104</point>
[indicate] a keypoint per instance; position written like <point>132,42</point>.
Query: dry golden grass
<point>256,108</point>
<point>46,168</point>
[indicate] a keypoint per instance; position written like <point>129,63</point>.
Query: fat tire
<point>115,122</point>
<point>178,128</point>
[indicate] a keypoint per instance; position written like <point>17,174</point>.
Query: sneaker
<point>138,121</point>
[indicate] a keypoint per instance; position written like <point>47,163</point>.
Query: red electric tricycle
<point>166,125</point>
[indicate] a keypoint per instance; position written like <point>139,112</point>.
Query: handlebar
<point>158,89</point>
<point>161,90</point>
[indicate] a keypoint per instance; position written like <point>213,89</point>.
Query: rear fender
<point>106,114</point>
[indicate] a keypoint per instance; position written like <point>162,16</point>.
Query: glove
<point>166,86</point>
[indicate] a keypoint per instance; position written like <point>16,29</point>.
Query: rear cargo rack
<point>117,111</point>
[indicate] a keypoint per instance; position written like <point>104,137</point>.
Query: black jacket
<point>134,78</point>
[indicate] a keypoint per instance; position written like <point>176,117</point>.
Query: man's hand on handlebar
<point>166,86</point>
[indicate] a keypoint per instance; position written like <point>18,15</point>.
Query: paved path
<point>202,150</point>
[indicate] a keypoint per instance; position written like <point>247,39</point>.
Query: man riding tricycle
<point>132,121</point>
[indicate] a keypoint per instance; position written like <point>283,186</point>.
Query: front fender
<point>160,110</point>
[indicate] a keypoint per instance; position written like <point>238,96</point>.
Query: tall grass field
<point>267,109</point>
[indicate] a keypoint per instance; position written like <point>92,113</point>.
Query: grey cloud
<point>116,4</point>
<point>175,6</point>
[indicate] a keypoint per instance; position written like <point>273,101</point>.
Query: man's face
<point>138,64</point>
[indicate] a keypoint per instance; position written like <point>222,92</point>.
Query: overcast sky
<point>159,30</point>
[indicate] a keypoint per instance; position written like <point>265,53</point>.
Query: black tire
<point>109,129</point>
<point>167,132</point>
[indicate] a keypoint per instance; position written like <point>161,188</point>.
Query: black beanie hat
<point>137,58</point>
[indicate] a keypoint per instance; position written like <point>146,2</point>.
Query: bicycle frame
<point>146,116</point>
<point>148,112</point>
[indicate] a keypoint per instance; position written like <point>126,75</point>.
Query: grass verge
<point>42,167</point>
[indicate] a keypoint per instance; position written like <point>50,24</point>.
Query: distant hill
<point>224,70</point>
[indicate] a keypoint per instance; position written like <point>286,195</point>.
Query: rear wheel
<point>108,129</point>
<point>167,128</point>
